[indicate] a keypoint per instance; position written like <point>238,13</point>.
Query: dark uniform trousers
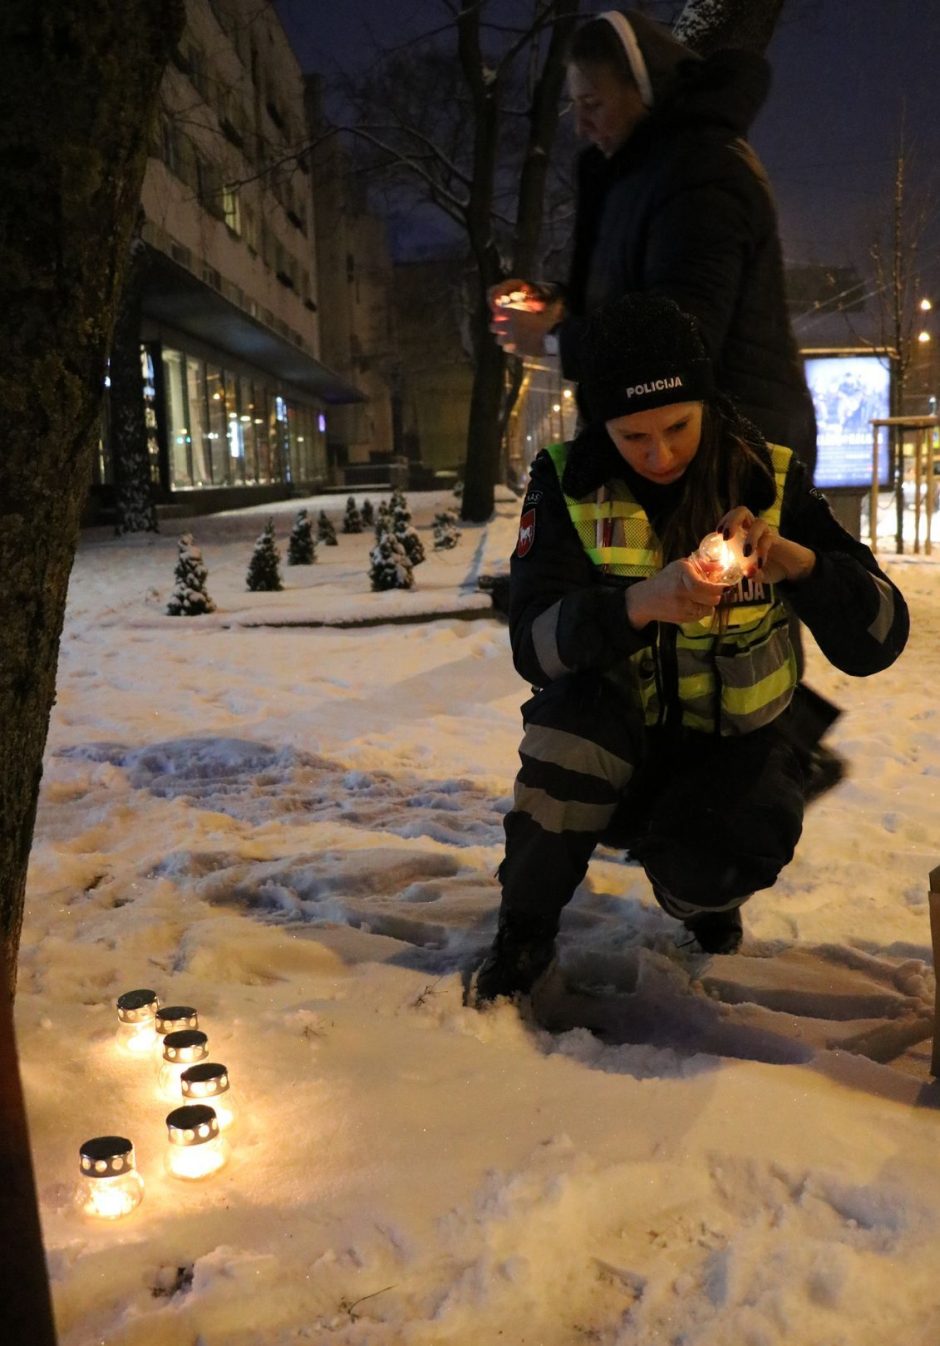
<point>710,818</point>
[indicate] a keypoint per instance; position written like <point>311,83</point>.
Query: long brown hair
<point>730,468</point>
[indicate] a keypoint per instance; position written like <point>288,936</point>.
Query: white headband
<point>624,30</point>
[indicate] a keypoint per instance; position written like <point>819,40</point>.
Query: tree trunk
<point>78,86</point>
<point>483,424</point>
<point>710,25</point>
<point>543,124</point>
<point>24,1287</point>
<point>484,427</point>
<point>133,496</point>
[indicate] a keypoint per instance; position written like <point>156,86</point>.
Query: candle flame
<point>110,1198</point>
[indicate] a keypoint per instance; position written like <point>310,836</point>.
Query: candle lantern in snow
<point>180,1051</point>
<point>175,1018</point>
<point>110,1184</point>
<point>208,1082</point>
<point>195,1146</point>
<point>136,1030</point>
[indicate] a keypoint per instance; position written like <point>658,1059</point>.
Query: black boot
<point>716,931</point>
<point>522,950</point>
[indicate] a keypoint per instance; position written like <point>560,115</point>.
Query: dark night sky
<point>842,70</point>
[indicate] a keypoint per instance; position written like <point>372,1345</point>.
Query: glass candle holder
<point>195,1146</point>
<point>110,1184</point>
<point>718,560</point>
<point>208,1082</point>
<point>136,1030</point>
<point>180,1050</point>
<point>173,1019</point>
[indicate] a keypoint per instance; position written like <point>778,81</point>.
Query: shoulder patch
<point>526,533</point>
<point>532,497</point>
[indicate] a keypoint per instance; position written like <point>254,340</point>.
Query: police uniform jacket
<point>568,615</point>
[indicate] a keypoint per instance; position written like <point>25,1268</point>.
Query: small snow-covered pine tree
<point>352,519</point>
<point>383,520</point>
<point>367,513</point>
<point>326,533</point>
<point>301,548</point>
<point>389,565</point>
<point>264,575</point>
<point>189,598</point>
<point>446,532</point>
<point>407,536</point>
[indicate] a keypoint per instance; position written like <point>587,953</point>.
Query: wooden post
<point>24,1284</point>
<point>874,487</point>
<point>934,899</point>
<point>928,442</point>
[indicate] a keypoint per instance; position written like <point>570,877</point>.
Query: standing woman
<point>672,201</point>
<point>663,685</point>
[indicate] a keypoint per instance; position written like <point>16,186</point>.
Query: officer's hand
<point>677,594</point>
<point>766,555</point>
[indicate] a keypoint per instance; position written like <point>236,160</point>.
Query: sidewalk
<point>134,575</point>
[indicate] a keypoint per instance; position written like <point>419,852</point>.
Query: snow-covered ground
<point>295,829</point>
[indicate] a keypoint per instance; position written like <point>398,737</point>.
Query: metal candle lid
<point>106,1156</point>
<point>135,1007</point>
<point>192,1125</point>
<point>209,1079</point>
<point>185,1047</point>
<point>174,1018</point>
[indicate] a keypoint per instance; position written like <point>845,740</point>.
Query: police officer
<point>662,689</point>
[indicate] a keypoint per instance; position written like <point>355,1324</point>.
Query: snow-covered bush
<point>326,533</point>
<point>406,535</point>
<point>352,519</point>
<point>367,513</point>
<point>389,566</point>
<point>264,574</point>
<point>446,532</point>
<point>189,598</point>
<point>383,519</point>
<point>301,548</point>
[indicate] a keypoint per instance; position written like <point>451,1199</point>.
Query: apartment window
<point>250,227</point>
<point>178,154</point>
<point>231,210</point>
<point>269,246</point>
<point>209,185</point>
<point>198,75</point>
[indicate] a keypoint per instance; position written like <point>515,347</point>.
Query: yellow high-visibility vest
<point>730,681</point>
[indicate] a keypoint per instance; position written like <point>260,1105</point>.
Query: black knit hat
<point>638,353</point>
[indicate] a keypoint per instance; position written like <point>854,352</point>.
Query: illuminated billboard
<point>849,390</point>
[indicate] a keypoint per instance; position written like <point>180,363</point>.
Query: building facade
<point>238,400</point>
<point>355,282</point>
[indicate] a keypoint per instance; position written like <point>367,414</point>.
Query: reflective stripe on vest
<point>745,672</point>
